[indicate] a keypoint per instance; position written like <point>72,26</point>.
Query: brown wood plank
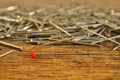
<point>104,64</point>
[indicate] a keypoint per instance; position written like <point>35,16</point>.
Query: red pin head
<point>33,54</point>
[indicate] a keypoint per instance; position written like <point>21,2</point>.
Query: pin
<point>11,45</point>
<point>4,54</point>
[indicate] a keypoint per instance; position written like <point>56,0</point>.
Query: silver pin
<point>59,28</point>
<point>11,45</point>
<point>4,54</point>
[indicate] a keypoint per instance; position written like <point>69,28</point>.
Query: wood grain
<point>102,65</point>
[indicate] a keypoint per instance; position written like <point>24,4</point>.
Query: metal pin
<point>4,54</point>
<point>111,25</point>
<point>56,41</point>
<point>59,28</point>
<point>116,47</point>
<point>114,37</point>
<point>99,35</point>
<point>11,45</point>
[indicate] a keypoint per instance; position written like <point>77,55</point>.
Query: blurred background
<point>36,3</point>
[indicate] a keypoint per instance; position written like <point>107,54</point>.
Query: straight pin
<point>4,54</point>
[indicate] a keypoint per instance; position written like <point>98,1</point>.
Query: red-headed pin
<point>33,54</point>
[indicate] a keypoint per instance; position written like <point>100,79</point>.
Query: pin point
<point>33,54</point>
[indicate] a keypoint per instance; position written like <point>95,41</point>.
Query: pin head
<point>35,36</point>
<point>33,54</point>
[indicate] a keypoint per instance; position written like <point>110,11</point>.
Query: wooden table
<point>90,63</point>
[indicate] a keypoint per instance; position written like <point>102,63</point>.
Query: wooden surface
<point>70,67</point>
<point>88,63</point>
